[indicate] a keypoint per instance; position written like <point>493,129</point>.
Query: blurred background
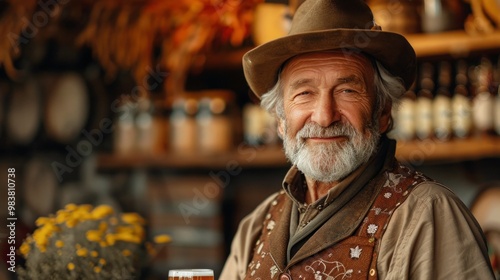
<point>142,105</point>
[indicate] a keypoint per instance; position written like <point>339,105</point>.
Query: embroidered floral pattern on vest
<point>354,257</point>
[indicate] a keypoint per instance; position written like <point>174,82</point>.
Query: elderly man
<point>348,209</point>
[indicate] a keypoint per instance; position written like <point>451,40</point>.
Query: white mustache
<point>335,130</point>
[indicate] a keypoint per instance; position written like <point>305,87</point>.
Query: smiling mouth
<point>327,139</point>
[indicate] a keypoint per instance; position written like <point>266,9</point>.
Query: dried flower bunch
<point>137,35</point>
<point>83,242</point>
<point>126,34</point>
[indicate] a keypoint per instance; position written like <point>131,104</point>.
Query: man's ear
<point>385,117</point>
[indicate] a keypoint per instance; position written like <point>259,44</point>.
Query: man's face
<point>329,127</point>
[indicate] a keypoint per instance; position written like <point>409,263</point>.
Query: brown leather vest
<point>355,256</point>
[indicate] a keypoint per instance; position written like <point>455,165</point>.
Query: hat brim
<point>261,65</point>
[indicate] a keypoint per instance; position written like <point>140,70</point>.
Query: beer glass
<point>191,274</point>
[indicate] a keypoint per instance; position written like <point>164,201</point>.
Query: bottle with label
<point>183,128</point>
<point>125,132</point>
<point>423,109</point>
<point>423,115</point>
<point>483,101</point>
<point>461,103</point>
<point>405,118</point>
<point>442,110</point>
<point>214,126</point>
<point>253,124</point>
<point>144,125</point>
<point>462,112</point>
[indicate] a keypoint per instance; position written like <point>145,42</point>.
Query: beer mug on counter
<point>191,274</point>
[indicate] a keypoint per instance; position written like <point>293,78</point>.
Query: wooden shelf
<point>455,43</point>
<point>414,152</point>
<point>418,152</point>
<point>246,157</point>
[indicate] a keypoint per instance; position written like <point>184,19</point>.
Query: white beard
<point>329,162</point>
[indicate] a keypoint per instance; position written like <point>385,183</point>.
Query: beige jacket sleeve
<point>433,236</point>
<point>244,241</point>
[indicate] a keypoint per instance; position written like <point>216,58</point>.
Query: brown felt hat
<point>323,25</point>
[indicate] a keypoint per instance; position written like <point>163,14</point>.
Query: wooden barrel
<point>66,109</point>
<point>23,113</point>
<point>39,186</point>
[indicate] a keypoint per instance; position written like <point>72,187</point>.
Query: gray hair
<point>387,88</point>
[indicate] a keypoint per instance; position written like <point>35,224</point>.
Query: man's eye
<point>302,93</point>
<point>348,90</point>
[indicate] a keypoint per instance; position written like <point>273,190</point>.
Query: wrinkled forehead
<point>359,62</point>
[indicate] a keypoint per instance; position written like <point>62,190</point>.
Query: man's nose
<point>326,111</point>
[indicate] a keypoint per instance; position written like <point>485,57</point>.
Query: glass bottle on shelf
<point>183,129</point>
<point>214,126</point>
<point>423,115</point>
<point>125,132</point>
<point>483,102</point>
<point>461,103</point>
<point>253,124</point>
<point>441,15</point>
<point>462,112</point>
<point>404,122</point>
<point>144,125</point>
<point>423,109</point>
<point>442,111</point>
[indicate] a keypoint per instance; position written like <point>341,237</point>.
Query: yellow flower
<point>94,235</point>
<point>62,216</point>
<point>71,266</point>
<point>101,211</point>
<point>59,244</point>
<point>113,221</point>
<point>97,269</point>
<point>84,208</point>
<point>102,261</point>
<point>126,252</point>
<point>82,213</point>
<point>25,249</point>
<point>133,218</point>
<point>162,238</point>
<point>124,229</point>
<point>82,252</point>
<point>103,226</point>
<point>127,237</point>
<point>94,254</point>
<point>43,221</point>
<point>71,223</point>
<point>110,239</point>
<point>41,236</point>
<point>70,207</point>
<point>139,231</point>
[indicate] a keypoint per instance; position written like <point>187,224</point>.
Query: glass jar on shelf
<point>183,128</point>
